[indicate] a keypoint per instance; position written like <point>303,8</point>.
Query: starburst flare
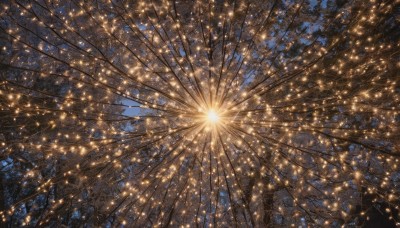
<point>206,113</point>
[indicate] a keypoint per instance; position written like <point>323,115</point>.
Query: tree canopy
<point>241,113</point>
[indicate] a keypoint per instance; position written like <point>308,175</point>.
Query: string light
<point>198,113</point>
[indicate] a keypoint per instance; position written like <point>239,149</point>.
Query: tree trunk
<point>268,204</point>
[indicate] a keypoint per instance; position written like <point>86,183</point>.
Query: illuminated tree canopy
<point>206,113</point>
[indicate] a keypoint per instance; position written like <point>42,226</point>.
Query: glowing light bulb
<point>212,116</point>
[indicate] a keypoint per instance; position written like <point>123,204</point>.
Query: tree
<point>206,113</point>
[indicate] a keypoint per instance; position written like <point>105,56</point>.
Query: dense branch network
<point>207,113</point>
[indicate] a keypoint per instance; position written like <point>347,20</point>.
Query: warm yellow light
<point>212,116</point>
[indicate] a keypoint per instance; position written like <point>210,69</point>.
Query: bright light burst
<point>212,116</point>
<point>207,113</point>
